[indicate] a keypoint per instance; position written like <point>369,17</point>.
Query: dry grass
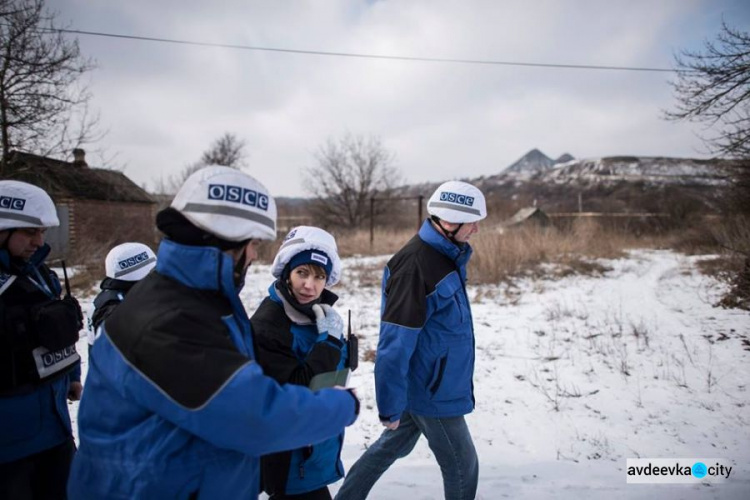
<point>89,263</point>
<point>350,243</point>
<point>532,251</point>
<point>732,237</point>
<point>85,278</point>
<point>364,274</point>
<point>499,257</point>
<point>385,241</point>
<point>697,239</point>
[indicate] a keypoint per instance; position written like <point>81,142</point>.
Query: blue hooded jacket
<point>291,350</point>
<point>425,358</point>
<point>174,405</point>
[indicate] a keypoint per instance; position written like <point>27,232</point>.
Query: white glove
<point>328,321</point>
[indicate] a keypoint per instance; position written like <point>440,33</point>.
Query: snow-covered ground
<point>573,376</point>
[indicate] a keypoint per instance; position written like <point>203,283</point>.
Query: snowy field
<point>573,376</point>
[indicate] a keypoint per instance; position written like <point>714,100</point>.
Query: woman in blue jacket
<point>298,336</point>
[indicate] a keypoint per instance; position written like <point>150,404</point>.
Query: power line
<point>368,56</point>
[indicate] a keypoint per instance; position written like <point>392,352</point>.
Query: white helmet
<point>303,238</point>
<point>129,262</point>
<point>457,202</point>
<point>227,203</point>
<point>25,205</point>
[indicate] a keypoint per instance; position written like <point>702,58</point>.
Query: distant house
<point>527,216</point>
<point>98,208</point>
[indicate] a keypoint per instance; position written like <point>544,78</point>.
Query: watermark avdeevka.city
<point>677,470</point>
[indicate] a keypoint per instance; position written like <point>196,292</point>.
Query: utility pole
<point>372,221</point>
<point>420,202</point>
<point>419,212</point>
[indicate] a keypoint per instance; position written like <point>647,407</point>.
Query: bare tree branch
<point>713,87</point>
<point>43,105</point>
<point>348,173</point>
<point>228,150</point>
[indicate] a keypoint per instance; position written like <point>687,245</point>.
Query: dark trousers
<point>319,494</point>
<point>40,476</point>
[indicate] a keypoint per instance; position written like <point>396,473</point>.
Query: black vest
<point>24,361</point>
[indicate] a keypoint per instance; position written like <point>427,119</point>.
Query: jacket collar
<point>204,268</point>
<point>458,253</point>
<point>19,267</point>
<point>117,285</point>
<point>292,312</point>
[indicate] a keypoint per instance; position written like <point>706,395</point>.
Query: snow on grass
<point>572,377</point>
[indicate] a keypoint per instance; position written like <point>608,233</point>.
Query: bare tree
<point>713,87</point>
<point>348,173</point>
<point>43,104</point>
<point>228,150</point>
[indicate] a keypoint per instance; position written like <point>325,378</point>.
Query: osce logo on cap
<point>12,203</point>
<point>236,194</point>
<point>132,261</point>
<point>461,199</point>
<point>319,258</point>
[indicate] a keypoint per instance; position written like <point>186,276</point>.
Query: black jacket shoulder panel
<point>271,332</point>
<point>269,313</point>
<point>420,258</point>
<point>415,271</point>
<point>175,336</point>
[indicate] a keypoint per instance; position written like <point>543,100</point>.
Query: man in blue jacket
<point>39,365</point>
<point>425,359</point>
<point>175,405</point>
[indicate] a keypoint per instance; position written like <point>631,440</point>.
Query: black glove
<point>73,302</point>
<point>323,357</point>
<point>57,323</point>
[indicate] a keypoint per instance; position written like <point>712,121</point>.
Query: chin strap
<point>450,234</point>
<point>240,270</point>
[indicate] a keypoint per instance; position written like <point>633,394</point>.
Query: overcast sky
<point>163,104</point>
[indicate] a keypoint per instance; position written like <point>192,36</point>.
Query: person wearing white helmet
<point>124,266</point>
<point>39,365</point>
<point>175,405</point>
<point>299,336</point>
<point>425,358</point>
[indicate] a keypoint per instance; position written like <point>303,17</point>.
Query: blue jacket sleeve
<point>395,348</point>
<point>250,413</point>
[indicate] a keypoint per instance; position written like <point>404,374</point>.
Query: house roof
<point>525,214</point>
<point>62,179</point>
